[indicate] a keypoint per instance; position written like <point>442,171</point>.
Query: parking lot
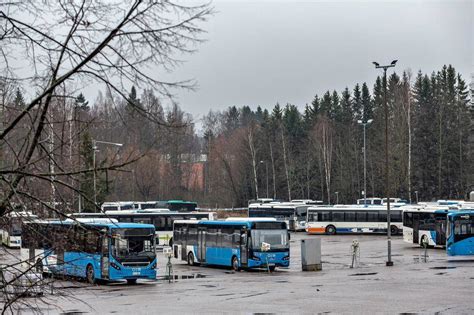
<point>441,284</point>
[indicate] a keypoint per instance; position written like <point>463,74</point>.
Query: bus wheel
<point>90,274</point>
<point>235,264</point>
<point>131,281</point>
<point>393,230</point>
<point>330,230</point>
<point>191,259</point>
<point>272,268</point>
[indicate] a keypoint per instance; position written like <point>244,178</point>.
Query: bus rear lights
<point>286,258</point>
<point>256,258</point>
<point>115,266</point>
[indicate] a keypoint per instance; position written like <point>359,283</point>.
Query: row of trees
<point>318,153</point>
<point>284,153</point>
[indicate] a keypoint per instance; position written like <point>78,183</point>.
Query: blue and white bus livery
<point>460,233</point>
<point>245,243</point>
<point>95,251</point>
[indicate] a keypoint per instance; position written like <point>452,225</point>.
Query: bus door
<point>244,245</point>
<point>416,227</point>
<point>104,260</point>
<point>201,245</point>
<point>440,228</point>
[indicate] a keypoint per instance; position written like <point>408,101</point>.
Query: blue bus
<point>242,243</point>
<point>93,250</point>
<point>460,233</point>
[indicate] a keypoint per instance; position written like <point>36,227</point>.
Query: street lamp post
<point>337,197</point>
<point>416,194</point>
<point>266,172</point>
<point>387,190</point>
<point>94,149</point>
<point>364,124</point>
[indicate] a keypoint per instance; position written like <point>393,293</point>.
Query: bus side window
<point>338,216</point>
<point>325,216</point>
<point>372,216</point>
<point>349,217</point>
<point>408,219</point>
<point>361,216</point>
<point>382,216</point>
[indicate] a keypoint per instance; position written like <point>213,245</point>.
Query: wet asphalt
<point>429,284</point>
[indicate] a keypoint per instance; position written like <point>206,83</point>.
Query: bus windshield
<point>132,242</point>
<point>278,239</point>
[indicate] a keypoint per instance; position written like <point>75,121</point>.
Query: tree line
<point>317,153</point>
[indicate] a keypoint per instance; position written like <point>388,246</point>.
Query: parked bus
<point>10,233</point>
<point>162,219</point>
<point>460,233</point>
<point>352,219</point>
<point>246,243</point>
<point>433,226</point>
<point>94,251</point>
<point>294,214</point>
<point>394,202</point>
<point>173,205</point>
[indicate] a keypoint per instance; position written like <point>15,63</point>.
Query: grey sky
<point>263,52</point>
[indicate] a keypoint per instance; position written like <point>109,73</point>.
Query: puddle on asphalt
<point>364,274</point>
<point>183,277</point>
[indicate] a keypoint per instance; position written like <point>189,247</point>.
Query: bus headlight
<point>115,266</point>
<point>153,265</point>
<point>286,258</point>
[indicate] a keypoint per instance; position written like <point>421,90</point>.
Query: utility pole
<point>387,181</point>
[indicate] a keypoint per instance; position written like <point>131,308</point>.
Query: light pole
<point>416,194</point>
<point>266,170</point>
<point>337,197</point>
<point>94,149</point>
<point>387,190</point>
<point>364,124</point>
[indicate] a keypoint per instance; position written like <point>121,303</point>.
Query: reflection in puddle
<point>182,277</point>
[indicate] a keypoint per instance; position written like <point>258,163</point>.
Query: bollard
<point>311,254</point>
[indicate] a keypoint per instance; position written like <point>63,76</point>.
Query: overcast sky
<point>264,52</point>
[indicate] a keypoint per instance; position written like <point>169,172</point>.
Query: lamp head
<point>370,121</point>
<point>359,121</point>
<point>394,62</point>
<point>375,63</point>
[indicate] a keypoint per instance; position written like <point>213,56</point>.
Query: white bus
<point>10,234</point>
<point>162,219</point>
<point>352,219</point>
<point>426,223</point>
<point>294,214</point>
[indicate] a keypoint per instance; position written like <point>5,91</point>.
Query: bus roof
<point>350,208</point>
<point>112,225</point>
<point>244,221</point>
<point>181,201</point>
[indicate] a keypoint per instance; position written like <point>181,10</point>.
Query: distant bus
<point>161,219</point>
<point>93,251</point>
<point>352,219</point>
<point>294,214</point>
<point>10,233</point>
<point>394,202</point>
<point>450,228</point>
<point>173,205</point>
<point>237,244</point>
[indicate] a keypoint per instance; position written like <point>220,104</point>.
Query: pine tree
<point>357,103</point>
<point>326,104</point>
<point>81,103</point>
<point>19,100</point>
<point>367,104</point>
